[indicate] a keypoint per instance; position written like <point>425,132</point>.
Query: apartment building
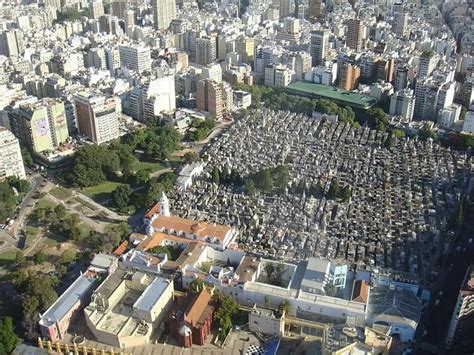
<point>11,161</point>
<point>97,116</point>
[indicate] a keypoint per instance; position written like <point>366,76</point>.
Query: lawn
<point>101,191</point>
<point>61,193</point>
<point>31,234</point>
<point>149,165</point>
<point>44,203</point>
<point>8,257</point>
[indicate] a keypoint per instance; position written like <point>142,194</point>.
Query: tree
<point>68,256</point>
<point>196,285</point>
<point>346,193</point>
<point>263,179</point>
<point>280,269</point>
<point>19,258</point>
<point>121,196</point>
<point>399,133</point>
<point>142,176</point>
<point>225,309</point>
<point>389,141</point>
<point>281,177</point>
<point>215,175</point>
<point>8,200</point>
<point>269,270</point>
<point>205,266</point>
<point>27,159</point>
<point>39,257</point>
<point>190,157</point>
<point>38,294</point>
<point>249,187</point>
<point>114,233</point>
<point>334,190</point>
<point>60,212</point>
<point>8,338</point>
<point>285,307</point>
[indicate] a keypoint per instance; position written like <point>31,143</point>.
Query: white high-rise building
<point>11,161</point>
<point>428,63</point>
<point>152,98</point>
<point>164,11</point>
<point>96,9</point>
<point>135,57</point>
<point>212,71</point>
<point>402,103</point>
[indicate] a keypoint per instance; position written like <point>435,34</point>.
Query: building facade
<point>42,125</point>
<point>97,116</point>
<point>11,161</point>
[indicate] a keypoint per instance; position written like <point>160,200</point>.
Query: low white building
<point>188,174</point>
<point>242,99</point>
<point>266,321</point>
<point>323,74</point>
<point>449,115</point>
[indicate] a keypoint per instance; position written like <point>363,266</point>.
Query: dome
<point>198,227</point>
<point>184,331</point>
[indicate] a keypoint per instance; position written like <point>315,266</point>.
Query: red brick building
<point>193,325</point>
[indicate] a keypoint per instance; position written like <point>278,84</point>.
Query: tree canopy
<point>8,338</point>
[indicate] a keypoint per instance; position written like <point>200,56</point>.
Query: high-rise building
<point>206,52</point>
<point>318,46</point>
<point>129,22</point>
<point>209,98</point>
<point>384,70</point>
<point>152,98</point>
<point>428,61</point>
<point>119,8</point>
<point>97,116</point>
<point>287,8</point>
<point>11,43</point>
<point>314,10</point>
<point>461,327</point>
<point>112,59</point>
<point>96,58</point>
<point>96,9</point>
<point>11,161</point>
<point>42,125</point>
<point>135,57</point>
<point>350,77</point>
<point>431,96</point>
<point>400,20</point>
<point>355,34</point>
<point>212,71</point>
<point>400,77</point>
<point>245,47</point>
<point>164,11</point>
<point>402,103</point>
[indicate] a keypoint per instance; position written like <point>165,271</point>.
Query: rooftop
<point>68,299</point>
<point>332,93</point>
<point>190,226</point>
<point>394,302</point>
<point>151,294</point>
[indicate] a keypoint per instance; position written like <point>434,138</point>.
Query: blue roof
<point>272,346</point>
<point>151,294</point>
<point>68,299</point>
